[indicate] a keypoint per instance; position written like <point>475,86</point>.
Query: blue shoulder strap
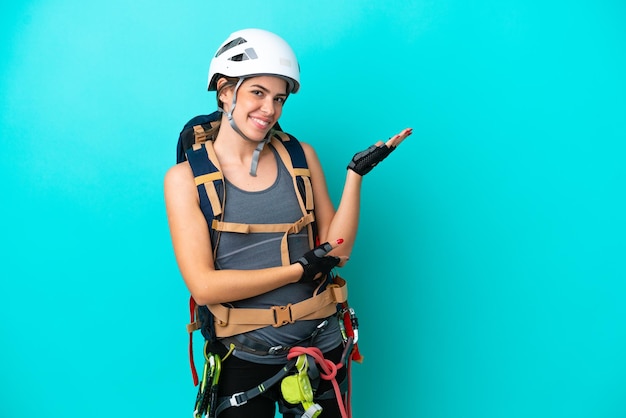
<point>210,183</point>
<point>188,135</point>
<point>294,148</point>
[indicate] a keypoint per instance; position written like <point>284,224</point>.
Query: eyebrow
<point>266,90</point>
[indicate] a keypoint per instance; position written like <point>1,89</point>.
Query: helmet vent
<point>248,54</point>
<point>231,44</point>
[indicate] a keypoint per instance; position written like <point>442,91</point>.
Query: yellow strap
<point>309,193</point>
<point>232,321</point>
<point>307,204</point>
<point>207,178</point>
<point>193,326</point>
<point>213,156</point>
<point>249,228</point>
<point>287,229</point>
<point>199,134</point>
<point>305,174</point>
<point>302,172</point>
<point>282,135</point>
<point>211,192</point>
<point>241,228</point>
<point>286,159</point>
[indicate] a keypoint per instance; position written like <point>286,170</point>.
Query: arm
<point>343,223</point>
<point>192,248</point>
<point>335,224</point>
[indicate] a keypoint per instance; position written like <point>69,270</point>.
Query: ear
<point>222,93</point>
<point>220,83</point>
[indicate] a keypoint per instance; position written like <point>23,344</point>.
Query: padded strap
<point>208,177</point>
<point>232,321</point>
<point>299,172</point>
<point>286,159</point>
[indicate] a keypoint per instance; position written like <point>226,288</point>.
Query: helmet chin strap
<point>257,151</point>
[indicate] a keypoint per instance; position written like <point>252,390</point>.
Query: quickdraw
<point>206,400</point>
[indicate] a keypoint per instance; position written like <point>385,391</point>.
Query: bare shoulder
<point>180,172</point>
<point>310,154</point>
<point>306,146</point>
<point>179,180</point>
<point>315,167</point>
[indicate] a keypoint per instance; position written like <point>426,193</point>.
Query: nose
<point>268,106</point>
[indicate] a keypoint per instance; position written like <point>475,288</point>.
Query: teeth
<point>262,122</point>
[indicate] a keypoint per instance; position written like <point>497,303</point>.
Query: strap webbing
<point>286,159</point>
<point>288,229</point>
<point>298,172</point>
<point>199,134</point>
<point>241,398</point>
<point>232,321</point>
<point>241,228</point>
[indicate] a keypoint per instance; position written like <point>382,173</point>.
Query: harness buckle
<point>222,322</point>
<point>300,223</point>
<point>282,315</point>
<point>276,349</point>
<point>235,401</point>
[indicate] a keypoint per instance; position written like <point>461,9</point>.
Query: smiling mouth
<point>261,123</point>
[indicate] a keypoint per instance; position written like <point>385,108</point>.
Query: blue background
<point>489,271</point>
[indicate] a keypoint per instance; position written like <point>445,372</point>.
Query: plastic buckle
<point>274,350</point>
<point>282,315</point>
<point>223,323</point>
<point>235,402</point>
<point>313,411</point>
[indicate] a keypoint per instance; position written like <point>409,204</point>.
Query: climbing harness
<point>296,385</point>
<point>298,378</point>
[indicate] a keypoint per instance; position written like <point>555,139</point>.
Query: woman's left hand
<point>395,140</point>
<point>363,162</point>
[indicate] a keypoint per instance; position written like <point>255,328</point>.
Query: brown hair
<point>211,134</point>
<point>230,83</point>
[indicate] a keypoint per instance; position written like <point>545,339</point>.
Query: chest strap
<point>286,228</point>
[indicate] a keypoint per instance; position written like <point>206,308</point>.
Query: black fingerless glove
<point>363,162</point>
<point>316,261</point>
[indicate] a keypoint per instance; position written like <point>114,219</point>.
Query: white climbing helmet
<point>254,52</point>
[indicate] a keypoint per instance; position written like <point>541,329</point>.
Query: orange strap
<point>288,229</point>
<point>232,321</point>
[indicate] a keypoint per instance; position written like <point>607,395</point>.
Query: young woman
<point>254,72</point>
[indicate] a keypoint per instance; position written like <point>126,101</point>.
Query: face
<point>259,105</point>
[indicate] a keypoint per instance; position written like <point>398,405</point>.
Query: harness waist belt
<point>232,321</point>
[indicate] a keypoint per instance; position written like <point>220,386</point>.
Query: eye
<point>281,99</point>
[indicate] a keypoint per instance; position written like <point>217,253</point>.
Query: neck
<point>230,146</point>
